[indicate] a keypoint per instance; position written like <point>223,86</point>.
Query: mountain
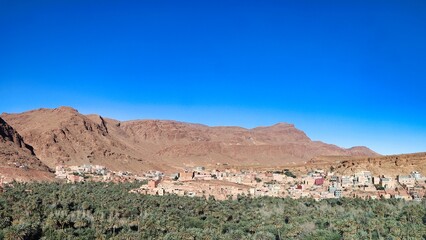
<point>63,135</point>
<point>390,165</point>
<point>17,159</point>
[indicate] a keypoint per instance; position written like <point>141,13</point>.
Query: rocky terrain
<point>63,135</point>
<point>17,158</point>
<point>391,165</point>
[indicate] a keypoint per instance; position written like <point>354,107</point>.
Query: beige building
<point>387,183</point>
<point>407,181</point>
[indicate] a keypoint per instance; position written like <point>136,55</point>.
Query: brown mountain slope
<point>390,165</point>
<point>193,143</point>
<point>17,159</point>
<point>63,135</point>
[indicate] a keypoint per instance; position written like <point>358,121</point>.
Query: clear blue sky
<point>345,72</point>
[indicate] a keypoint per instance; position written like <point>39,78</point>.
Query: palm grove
<point>109,211</point>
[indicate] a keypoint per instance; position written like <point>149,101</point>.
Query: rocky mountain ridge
<point>63,135</point>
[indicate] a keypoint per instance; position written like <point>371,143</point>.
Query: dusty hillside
<point>18,158</point>
<point>391,165</point>
<point>63,135</point>
<point>192,143</point>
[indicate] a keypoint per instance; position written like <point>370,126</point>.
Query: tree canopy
<point>109,211</point>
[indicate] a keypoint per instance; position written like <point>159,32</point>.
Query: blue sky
<point>346,72</point>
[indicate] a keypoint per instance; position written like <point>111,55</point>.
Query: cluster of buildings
<point>317,184</point>
<point>4,182</point>
<point>362,185</point>
<point>231,183</point>
<point>96,173</point>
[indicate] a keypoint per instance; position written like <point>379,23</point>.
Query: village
<point>94,173</point>
<point>316,184</point>
<point>231,183</point>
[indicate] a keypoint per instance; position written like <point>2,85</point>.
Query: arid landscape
<point>64,136</point>
<point>212,120</point>
<point>34,141</point>
<point>391,165</point>
<point>17,158</point>
<point>98,177</point>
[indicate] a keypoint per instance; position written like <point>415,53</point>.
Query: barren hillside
<point>391,165</point>
<point>63,135</point>
<point>18,158</point>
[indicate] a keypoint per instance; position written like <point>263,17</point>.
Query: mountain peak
<point>65,109</point>
<point>276,126</point>
<point>283,124</point>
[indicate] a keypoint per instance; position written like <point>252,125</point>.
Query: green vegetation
<point>108,211</point>
<point>289,174</point>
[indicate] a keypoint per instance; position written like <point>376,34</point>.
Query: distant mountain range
<point>47,137</point>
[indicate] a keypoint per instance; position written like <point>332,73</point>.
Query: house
<point>186,175</point>
<point>363,178</point>
<point>100,170</point>
<point>385,195</point>
<point>199,169</point>
<point>334,179</point>
<point>59,168</point>
<point>220,175</point>
<point>416,175</point>
<point>346,181</point>
<point>153,183</point>
<point>86,168</point>
<point>338,193</point>
<point>278,177</point>
<point>202,176</point>
<point>404,196</point>
<point>325,195</point>
<point>274,188</point>
<point>76,169</point>
<point>319,181</point>
<point>153,174</point>
<point>108,177</point>
<point>417,198</point>
<point>369,188</point>
<point>248,179</point>
<point>74,179</point>
<point>332,189</point>
<point>407,181</point>
<point>160,192</point>
<point>376,180</point>
<point>60,172</point>
<point>309,180</point>
<point>387,183</point>
<point>174,176</point>
<point>363,174</point>
<point>235,179</point>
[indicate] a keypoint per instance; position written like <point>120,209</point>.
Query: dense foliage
<point>108,211</point>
